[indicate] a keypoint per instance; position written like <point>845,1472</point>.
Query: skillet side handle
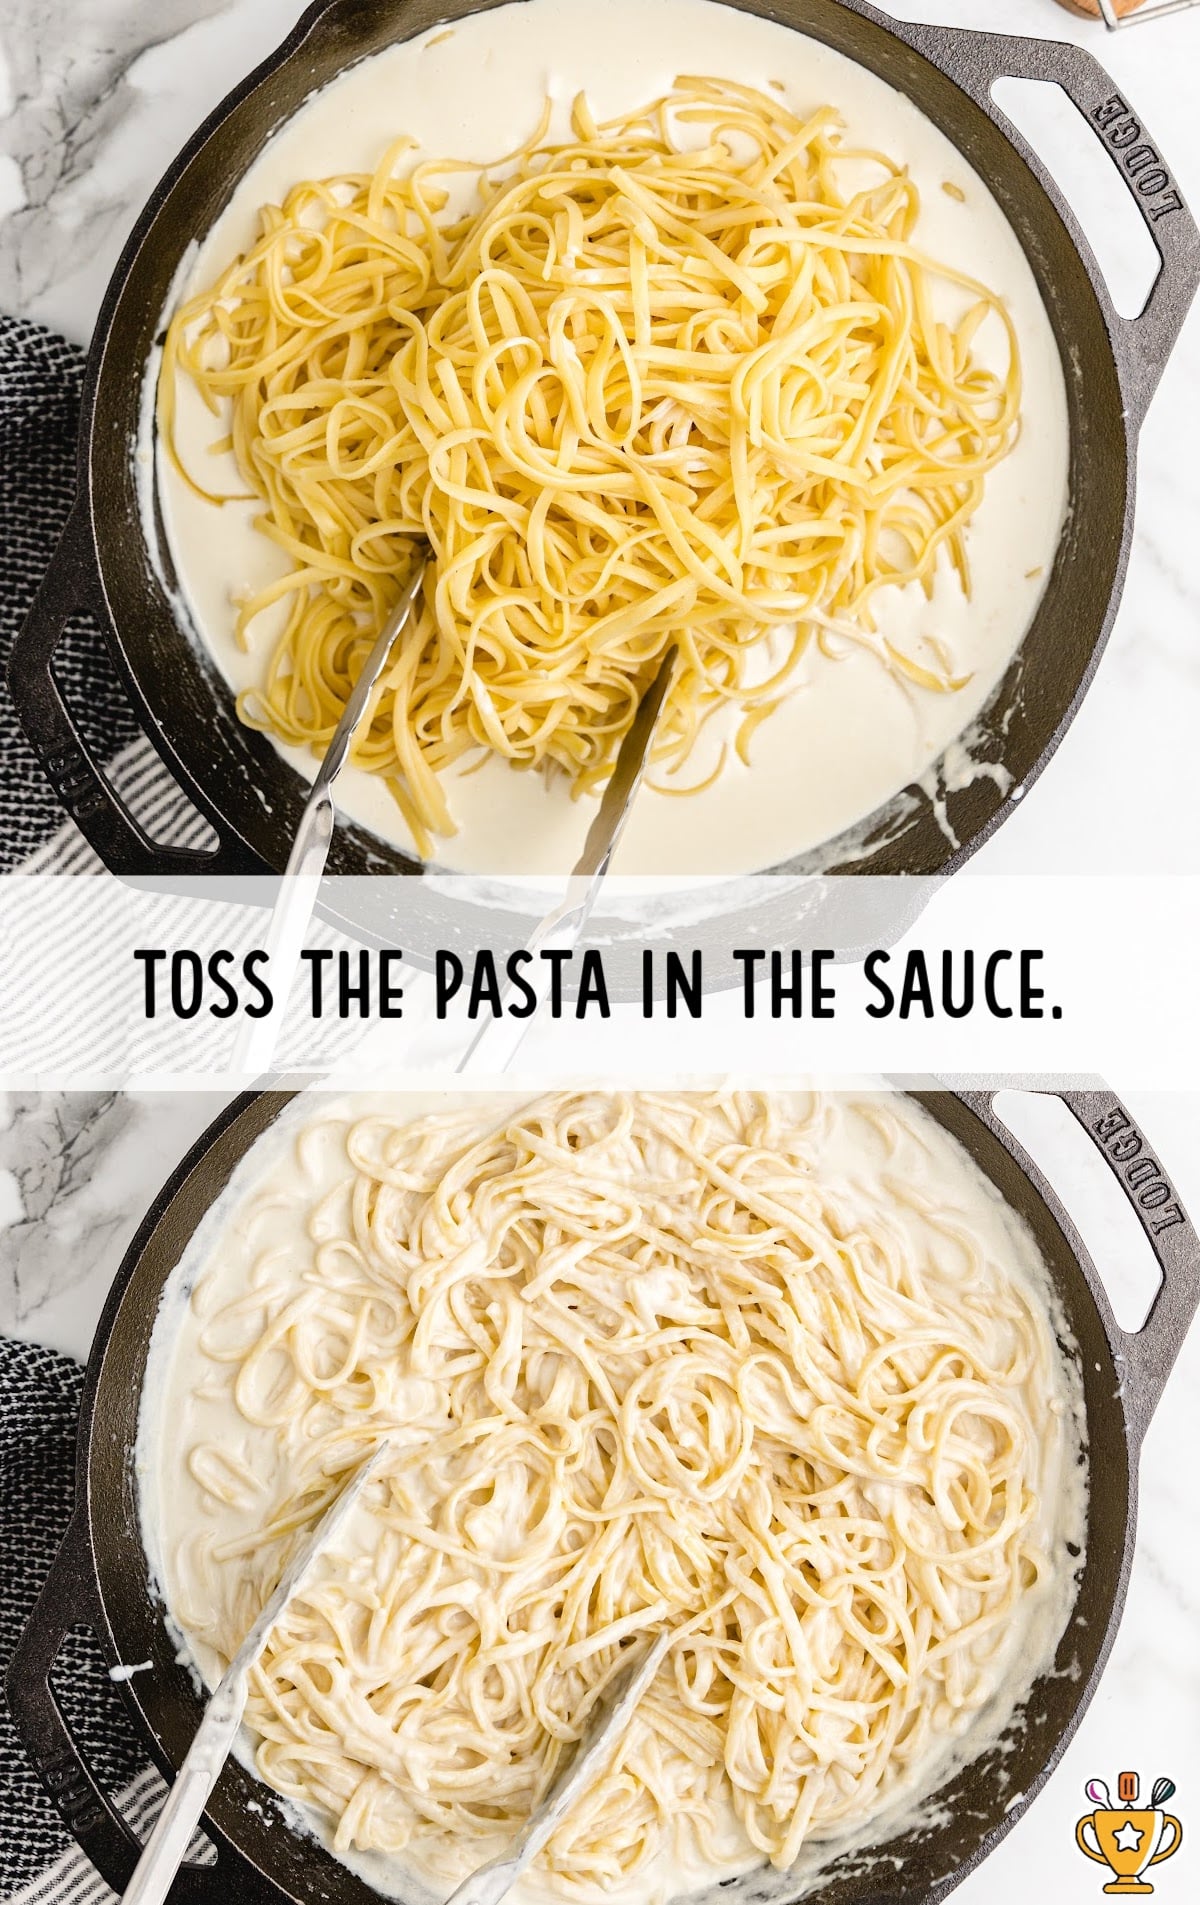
<point>66,1600</point>
<point>1148,1355</point>
<point>68,586</point>
<point>69,1599</point>
<point>976,61</point>
<point>1150,1352</point>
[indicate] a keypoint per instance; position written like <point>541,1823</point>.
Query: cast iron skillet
<point>235,777</point>
<point>99,1577</point>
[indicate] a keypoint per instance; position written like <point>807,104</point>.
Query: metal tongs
<point>166,1848</point>
<point>495,1044</point>
<point>297,896</point>
<point>167,1845</point>
<point>606,1725</point>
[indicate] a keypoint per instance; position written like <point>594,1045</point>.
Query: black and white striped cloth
<point>39,1862</point>
<point>41,377</point>
<point>72,1879</point>
<point>40,381</point>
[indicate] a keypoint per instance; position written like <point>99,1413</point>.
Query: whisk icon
<point>1127,1838</point>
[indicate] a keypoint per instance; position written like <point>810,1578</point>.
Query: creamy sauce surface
<point>851,734</point>
<point>287,1198</point>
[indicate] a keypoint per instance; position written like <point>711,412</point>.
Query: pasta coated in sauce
<point>647,1361</point>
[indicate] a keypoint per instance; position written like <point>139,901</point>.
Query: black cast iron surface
<point>236,778</point>
<point>101,1574</point>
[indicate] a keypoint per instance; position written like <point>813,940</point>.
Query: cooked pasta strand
<point>644,1359</point>
<point>681,378</point>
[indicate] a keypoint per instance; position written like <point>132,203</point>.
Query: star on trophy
<point>1126,1838</point>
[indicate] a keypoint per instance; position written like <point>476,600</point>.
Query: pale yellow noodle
<point>681,379</point>
<point>645,1366</point>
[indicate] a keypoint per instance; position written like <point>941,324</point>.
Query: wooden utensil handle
<point>1091,10</point>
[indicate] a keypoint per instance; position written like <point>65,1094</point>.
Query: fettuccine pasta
<point>645,1360</point>
<point>685,378</point>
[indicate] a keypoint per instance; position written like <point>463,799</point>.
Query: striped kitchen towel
<point>41,377</point>
<point>39,1863</point>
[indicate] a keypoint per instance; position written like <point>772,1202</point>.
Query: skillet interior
<point>969,1813</point>
<point>237,775</point>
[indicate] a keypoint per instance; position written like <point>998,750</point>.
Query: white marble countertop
<point>76,1176</point>
<point>96,97</point>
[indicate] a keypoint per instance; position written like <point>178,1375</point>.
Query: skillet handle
<point>975,61</point>
<point>68,1599</point>
<point>1148,1354</point>
<point>68,586</point>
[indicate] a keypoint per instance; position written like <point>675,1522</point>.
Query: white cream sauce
<point>851,735</point>
<point>288,1196</point>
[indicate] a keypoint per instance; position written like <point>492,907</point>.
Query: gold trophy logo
<point>1126,1838</point>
